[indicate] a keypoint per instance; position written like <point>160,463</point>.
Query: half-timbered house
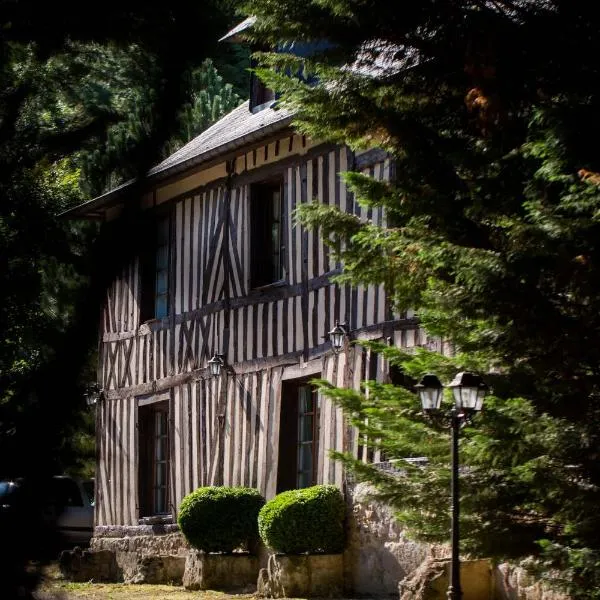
<point>232,274</point>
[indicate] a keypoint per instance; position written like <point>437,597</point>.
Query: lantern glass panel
<point>430,398</point>
<point>337,340</point>
<point>480,396</point>
<point>214,365</point>
<point>465,397</point>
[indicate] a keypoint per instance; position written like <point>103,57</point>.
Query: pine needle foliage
<point>489,110</point>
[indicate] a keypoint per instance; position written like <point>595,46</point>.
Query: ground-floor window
<point>298,436</point>
<point>153,436</point>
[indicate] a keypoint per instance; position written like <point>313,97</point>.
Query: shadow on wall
<point>378,554</point>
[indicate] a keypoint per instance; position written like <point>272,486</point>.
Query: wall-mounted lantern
<point>92,394</point>
<point>337,336</point>
<point>215,364</point>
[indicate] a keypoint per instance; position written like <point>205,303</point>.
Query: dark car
<point>10,494</point>
<point>56,512</point>
<point>23,521</point>
<point>73,502</point>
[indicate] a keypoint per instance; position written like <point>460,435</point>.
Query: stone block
<point>83,565</point>
<point>514,582</point>
<point>146,544</point>
<point>226,572</point>
<point>430,581</point>
<point>302,576</point>
<point>116,566</point>
<point>157,569</point>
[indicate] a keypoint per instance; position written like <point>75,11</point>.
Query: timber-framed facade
<point>164,426</point>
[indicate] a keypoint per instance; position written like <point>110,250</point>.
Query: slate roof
<point>237,128</point>
<point>234,130</point>
<point>376,58</point>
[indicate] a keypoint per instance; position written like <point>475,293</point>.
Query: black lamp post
<point>469,391</point>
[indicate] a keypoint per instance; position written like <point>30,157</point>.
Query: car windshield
<point>88,487</point>
<point>7,488</point>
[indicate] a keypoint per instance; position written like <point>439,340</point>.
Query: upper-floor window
<point>267,245</point>
<point>155,273</point>
<point>161,286</point>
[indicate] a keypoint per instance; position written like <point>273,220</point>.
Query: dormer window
<point>260,95</point>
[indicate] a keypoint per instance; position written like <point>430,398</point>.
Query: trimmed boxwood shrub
<point>221,519</point>
<point>310,520</point>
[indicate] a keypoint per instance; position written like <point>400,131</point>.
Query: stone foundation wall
<point>142,553</point>
<point>147,540</point>
<point>379,560</point>
<point>430,581</point>
<point>512,582</point>
<point>302,576</point>
<point>223,572</point>
<point>378,554</point>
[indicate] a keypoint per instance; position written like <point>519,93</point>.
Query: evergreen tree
<point>490,112</point>
<point>210,99</point>
<point>68,75</point>
<point>67,87</point>
<point>107,163</point>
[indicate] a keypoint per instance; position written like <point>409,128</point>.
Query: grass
<point>122,591</point>
<point>54,587</point>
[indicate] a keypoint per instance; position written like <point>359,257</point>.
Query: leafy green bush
<point>221,519</point>
<point>309,520</point>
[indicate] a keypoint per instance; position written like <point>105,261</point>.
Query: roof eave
<point>109,199</point>
<point>236,34</point>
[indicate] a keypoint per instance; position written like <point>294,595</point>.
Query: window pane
<point>160,419</point>
<point>304,480</point>
<point>305,428</point>
<point>161,446</point>
<point>161,474</point>
<point>276,235</point>
<point>160,505</point>
<point>162,283</point>
<point>275,239</point>
<point>162,233</point>
<point>88,487</point>
<point>276,274</point>
<point>162,258</point>
<point>161,307</point>
<point>305,457</point>
<point>305,394</point>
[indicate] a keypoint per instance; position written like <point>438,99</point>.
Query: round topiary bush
<point>304,521</point>
<point>221,519</point>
